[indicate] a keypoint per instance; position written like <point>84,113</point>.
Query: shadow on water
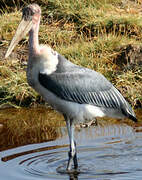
<point>34,145</point>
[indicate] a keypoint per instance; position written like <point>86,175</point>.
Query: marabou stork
<point>78,93</point>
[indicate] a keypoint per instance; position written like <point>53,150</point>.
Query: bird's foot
<point>88,124</point>
<point>72,157</point>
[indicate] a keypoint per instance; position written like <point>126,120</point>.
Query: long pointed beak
<point>23,28</point>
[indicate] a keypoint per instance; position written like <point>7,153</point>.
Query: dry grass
<point>88,33</point>
<point>13,86</point>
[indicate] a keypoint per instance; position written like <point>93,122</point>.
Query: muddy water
<point>105,152</point>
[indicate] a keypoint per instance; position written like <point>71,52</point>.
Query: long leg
<point>72,153</point>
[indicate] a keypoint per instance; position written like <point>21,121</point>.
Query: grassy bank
<point>104,35</point>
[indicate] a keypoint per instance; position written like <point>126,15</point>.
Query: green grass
<point>13,87</point>
<point>89,33</point>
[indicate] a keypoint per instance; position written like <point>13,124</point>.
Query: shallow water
<point>111,151</point>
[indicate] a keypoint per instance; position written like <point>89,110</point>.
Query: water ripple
<point>116,155</point>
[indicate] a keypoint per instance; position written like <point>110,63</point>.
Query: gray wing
<point>83,86</point>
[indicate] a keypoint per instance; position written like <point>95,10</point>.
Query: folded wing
<point>83,87</point>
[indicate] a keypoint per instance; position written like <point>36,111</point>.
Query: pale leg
<point>72,153</point>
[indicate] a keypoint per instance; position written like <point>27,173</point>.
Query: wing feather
<point>82,88</point>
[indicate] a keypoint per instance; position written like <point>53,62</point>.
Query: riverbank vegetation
<point>104,35</point>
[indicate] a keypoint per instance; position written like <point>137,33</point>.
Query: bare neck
<point>33,39</point>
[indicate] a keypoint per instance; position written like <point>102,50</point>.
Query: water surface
<point>105,152</point>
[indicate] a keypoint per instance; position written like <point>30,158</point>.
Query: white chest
<point>45,62</point>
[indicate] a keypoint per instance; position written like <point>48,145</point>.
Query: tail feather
<point>128,112</point>
<point>131,113</point>
<point>125,106</point>
<point>133,118</point>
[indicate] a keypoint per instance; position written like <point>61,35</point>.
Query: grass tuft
<point>90,33</point>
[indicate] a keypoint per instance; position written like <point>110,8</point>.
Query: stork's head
<point>30,17</point>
